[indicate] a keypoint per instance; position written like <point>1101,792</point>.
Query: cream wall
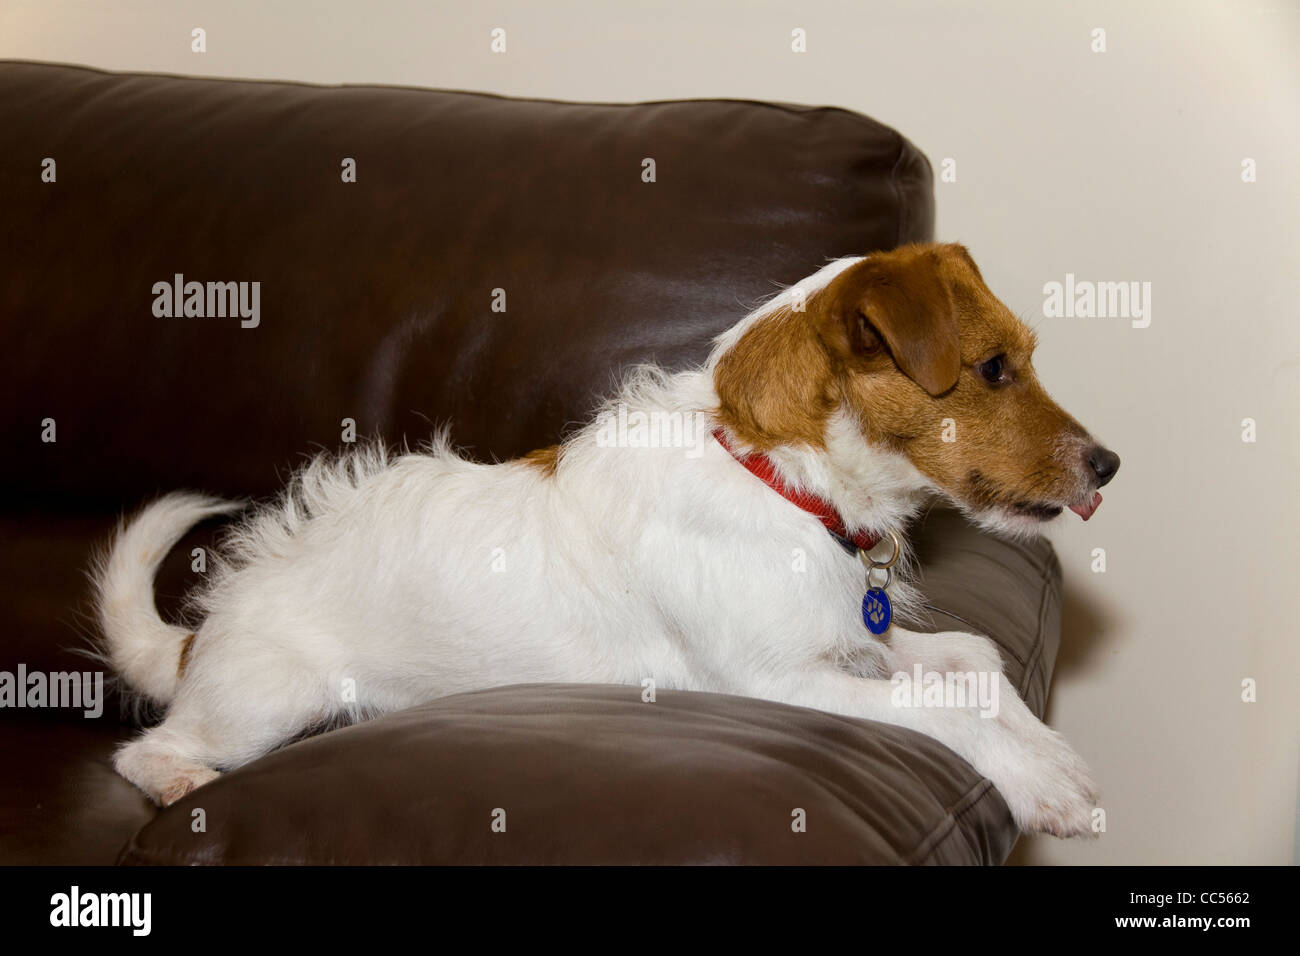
<point>1122,165</point>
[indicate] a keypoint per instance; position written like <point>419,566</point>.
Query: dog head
<point>931,366</point>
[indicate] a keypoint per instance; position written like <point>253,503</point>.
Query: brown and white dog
<point>644,547</point>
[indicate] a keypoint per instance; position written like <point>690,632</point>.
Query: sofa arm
<point>590,774</point>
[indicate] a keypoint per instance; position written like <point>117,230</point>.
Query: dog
<point>830,416</point>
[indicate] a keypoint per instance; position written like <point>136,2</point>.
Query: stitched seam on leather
<point>1036,656</point>
<point>946,827</point>
<point>968,801</point>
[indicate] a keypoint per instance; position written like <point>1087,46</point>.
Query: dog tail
<point>140,645</point>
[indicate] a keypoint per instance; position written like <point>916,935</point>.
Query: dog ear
<point>774,383</point>
<point>904,301</point>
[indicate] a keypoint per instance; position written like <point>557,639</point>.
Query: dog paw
<point>184,784</point>
<point>1046,784</point>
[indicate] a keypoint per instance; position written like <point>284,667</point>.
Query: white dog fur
<point>412,577</point>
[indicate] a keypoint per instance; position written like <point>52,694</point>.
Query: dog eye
<point>994,371</point>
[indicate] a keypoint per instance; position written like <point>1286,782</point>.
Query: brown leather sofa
<point>375,306</point>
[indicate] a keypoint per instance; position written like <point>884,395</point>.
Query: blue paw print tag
<point>876,611</point>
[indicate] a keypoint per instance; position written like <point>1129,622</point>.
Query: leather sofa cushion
<point>589,774</point>
<point>1007,590</point>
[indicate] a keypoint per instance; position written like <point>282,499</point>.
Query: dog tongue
<point>1086,511</point>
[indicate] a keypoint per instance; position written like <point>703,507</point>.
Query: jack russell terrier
<point>416,576</point>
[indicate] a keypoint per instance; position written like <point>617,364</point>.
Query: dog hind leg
<point>161,762</point>
<point>198,740</point>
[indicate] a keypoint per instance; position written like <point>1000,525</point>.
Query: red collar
<point>761,467</point>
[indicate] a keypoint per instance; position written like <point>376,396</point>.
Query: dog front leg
<point>1044,782</point>
<point>961,654</point>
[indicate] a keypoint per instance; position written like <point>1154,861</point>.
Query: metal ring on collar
<point>893,558</point>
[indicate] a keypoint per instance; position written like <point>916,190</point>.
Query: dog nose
<point>1104,463</point>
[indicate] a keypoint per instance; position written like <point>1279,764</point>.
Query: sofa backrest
<point>494,265</point>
